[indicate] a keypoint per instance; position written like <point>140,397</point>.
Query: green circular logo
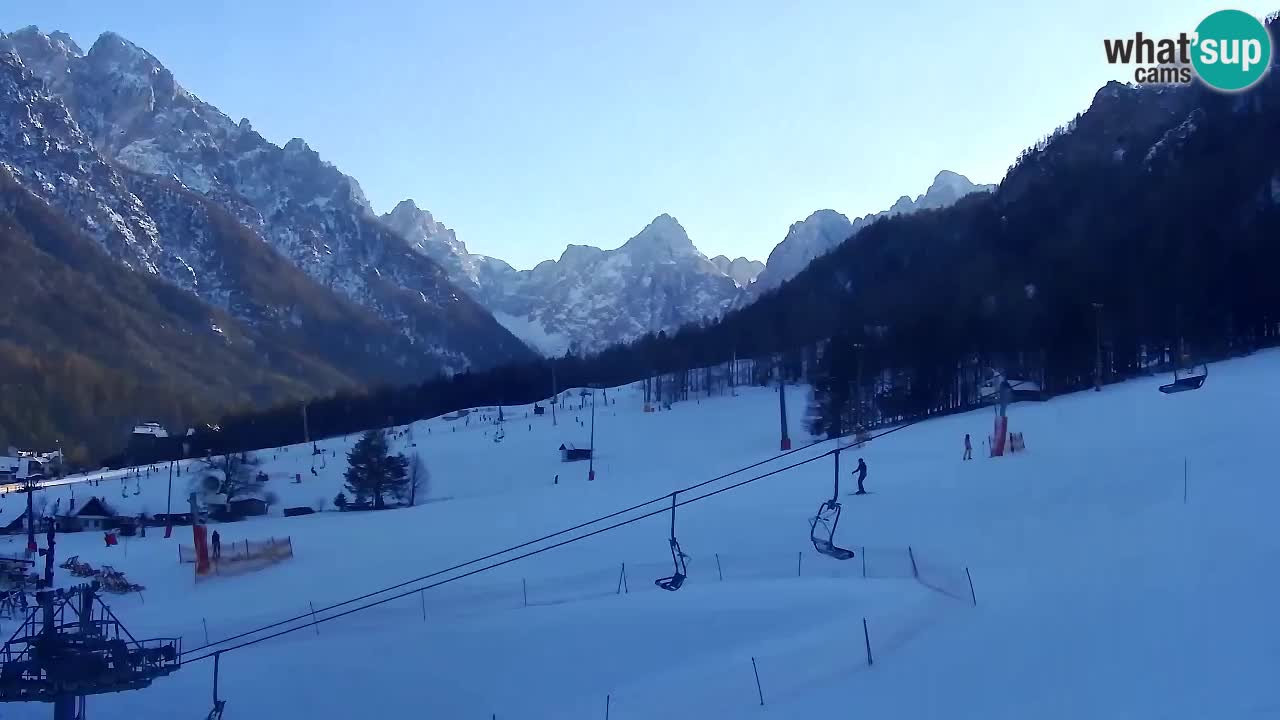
<point>1232,50</point>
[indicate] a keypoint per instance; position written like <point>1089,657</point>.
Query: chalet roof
<point>93,507</point>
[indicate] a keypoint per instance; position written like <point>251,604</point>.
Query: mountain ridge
<point>524,301</point>
<point>129,109</point>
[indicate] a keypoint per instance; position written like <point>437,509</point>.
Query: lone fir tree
<point>374,473</point>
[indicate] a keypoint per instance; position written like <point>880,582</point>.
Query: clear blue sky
<point>526,126</point>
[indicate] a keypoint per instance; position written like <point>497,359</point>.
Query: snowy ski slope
<point>1100,593</point>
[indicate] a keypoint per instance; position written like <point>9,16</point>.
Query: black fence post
<point>915,572</point>
<point>867,638</point>
<point>799,558</point>
<point>864,561</point>
<point>205,622</point>
<point>756,670</point>
<point>524,592</point>
<point>314,623</point>
<point>608,700</point>
<point>971,593</point>
<point>718,570</point>
<point>422,595</point>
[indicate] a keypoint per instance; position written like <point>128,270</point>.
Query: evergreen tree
<point>833,383</point>
<point>373,472</point>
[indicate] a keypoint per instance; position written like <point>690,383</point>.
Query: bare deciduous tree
<point>419,478</point>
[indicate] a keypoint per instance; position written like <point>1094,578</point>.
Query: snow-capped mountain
<point>159,177</point>
<point>589,298</point>
<point>822,231</point>
<point>111,126</point>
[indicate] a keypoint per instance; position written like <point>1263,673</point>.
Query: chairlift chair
<point>1187,382</point>
<point>678,558</point>
<point>828,516</point>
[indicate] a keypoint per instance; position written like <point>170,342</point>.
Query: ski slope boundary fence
<point>468,599</point>
<point>242,556</point>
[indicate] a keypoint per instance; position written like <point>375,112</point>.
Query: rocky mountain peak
<point>579,254</point>
<point>64,41</point>
<point>947,188</point>
<point>421,229</point>
<point>47,56</point>
<point>113,53</point>
<point>663,234</point>
<point>297,145</point>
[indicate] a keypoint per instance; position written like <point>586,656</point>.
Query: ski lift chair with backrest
<point>1186,382</point>
<point>828,516</point>
<point>678,558</point>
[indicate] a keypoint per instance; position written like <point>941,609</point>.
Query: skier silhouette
<point>861,472</point>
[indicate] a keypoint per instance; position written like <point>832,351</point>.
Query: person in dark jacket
<point>968,448</point>
<point>861,472</point>
<point>217,545</point>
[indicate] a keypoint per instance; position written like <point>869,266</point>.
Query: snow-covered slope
<point>1100,591</point>
<point>822,231</point>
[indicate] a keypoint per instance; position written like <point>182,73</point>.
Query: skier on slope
<point>861,472</point>
<point>968,448</point>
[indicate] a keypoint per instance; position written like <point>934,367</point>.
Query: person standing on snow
<point>217,545</point>
<point>968,448</point>
<point>861,472</point>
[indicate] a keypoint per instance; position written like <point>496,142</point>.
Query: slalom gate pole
<point>759,691</point>
<point>866,636</point>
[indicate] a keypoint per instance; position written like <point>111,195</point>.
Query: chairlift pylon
<point>828,516</point>
<point>678,558</point>
<point>218,703</point>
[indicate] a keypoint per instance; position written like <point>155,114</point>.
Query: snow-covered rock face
<point>431,238</point>
<point>120,104</point>
<point>590,298</point>
<point>46,152</point>
<point>741,270</point>
<point>822,231</point>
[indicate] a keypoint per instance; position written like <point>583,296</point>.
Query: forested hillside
<point>1142,232</point>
